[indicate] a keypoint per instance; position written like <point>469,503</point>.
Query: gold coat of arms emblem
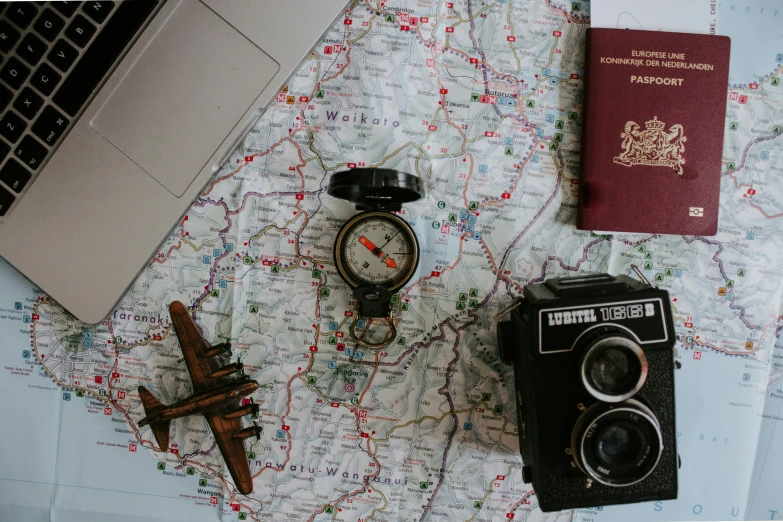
<point>653,146</point>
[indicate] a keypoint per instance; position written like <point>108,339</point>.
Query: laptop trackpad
<point>184,95</point>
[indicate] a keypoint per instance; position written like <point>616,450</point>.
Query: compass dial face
<point>377,248</point>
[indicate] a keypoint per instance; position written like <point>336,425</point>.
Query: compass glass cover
<point>378,249</point>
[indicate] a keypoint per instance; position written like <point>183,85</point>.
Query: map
<point>483,101</point>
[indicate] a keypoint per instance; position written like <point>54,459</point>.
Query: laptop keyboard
<point>53,57</point>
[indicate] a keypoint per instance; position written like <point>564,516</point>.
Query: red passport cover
<point>652,143</point>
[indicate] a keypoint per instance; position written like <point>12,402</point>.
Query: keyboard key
<point>12,126</point>
<point>5,97</point>
<point>31,49</point>
<point>28,103</point>
<point>66,8</point>
<point>101,55</point>
<point>98,11</point>
<point>8,36</point>
<point>45,79</point>
<point>49,25</point>
<point>4,150</point>
<point>63,55</point>
<point>22,13</point>
<point>80,31</point>
<point>15,175</point>
<point>14,72</point>
<point>6,200</point>
<point>30,152</point>
<point>50,125</point>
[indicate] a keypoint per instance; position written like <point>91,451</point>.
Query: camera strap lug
<point>642,276</point>
<point>503,313</point>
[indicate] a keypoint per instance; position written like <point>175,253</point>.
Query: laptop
<point>115,115</point>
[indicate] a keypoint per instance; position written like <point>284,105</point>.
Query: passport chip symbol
<point>696,212</point>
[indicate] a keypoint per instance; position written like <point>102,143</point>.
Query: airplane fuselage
<point>204,401</point>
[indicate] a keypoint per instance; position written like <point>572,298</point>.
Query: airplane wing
<point>232,449</point>
<point>200,366</point>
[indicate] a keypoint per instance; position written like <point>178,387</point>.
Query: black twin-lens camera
<point>594,369</point>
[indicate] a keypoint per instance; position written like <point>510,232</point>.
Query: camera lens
<point>614,368</point>
<point>617,444</point>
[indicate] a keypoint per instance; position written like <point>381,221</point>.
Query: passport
<point>652,134</point>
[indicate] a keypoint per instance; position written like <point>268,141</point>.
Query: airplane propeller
<point>241,371</point>
<point>256,426</point>
<point>259,431</point>
<point>256,408</point>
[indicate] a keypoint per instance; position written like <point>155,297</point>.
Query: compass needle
<point>362,259</point>
<point>367,243</point>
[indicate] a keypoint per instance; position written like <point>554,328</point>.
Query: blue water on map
<point>718,424</point>
<point>60,460</point>
<point>756,31</point>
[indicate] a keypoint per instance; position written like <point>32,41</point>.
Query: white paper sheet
<point>680,16</point>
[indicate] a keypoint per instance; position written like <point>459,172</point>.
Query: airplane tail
<point>153,407</point>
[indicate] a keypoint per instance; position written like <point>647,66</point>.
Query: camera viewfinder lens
<point>614,368</point>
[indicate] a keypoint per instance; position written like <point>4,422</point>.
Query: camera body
<point>594,369</point>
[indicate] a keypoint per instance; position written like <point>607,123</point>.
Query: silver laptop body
<point>150,139</point>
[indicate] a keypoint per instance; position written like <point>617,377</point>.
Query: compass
<point>376,252</point>
<point>377,248</point>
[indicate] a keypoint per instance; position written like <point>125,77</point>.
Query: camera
<point>594,370</point>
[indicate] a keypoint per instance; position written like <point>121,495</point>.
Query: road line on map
<point>199,302</point>
<point>489,492</point>
<point>444,390</point>
<point>562,263</point>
